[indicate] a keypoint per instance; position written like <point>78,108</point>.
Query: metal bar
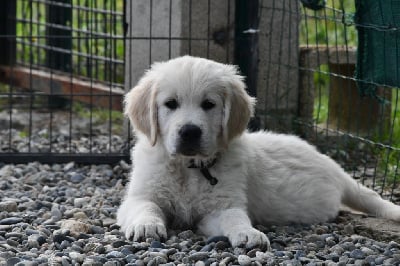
<point>51,158</point>
<point>246,41</point>
<point>246,47</point>
<point>8,28</point>
<point>59,15</point>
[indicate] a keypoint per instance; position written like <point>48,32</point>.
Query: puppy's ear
<point>238,109</point>
<point>141,108</point>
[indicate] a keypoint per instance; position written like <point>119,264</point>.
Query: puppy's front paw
<point>140,232</point>
<point>249,237</point>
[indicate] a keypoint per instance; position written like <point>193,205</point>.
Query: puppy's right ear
<point>141,108</point>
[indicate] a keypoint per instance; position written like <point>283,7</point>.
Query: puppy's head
<point>192,106</point>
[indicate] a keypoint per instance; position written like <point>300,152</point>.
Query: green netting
<point>378,56</point>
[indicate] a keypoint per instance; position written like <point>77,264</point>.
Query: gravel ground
<point>64,214</point>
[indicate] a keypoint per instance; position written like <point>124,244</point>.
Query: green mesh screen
<point>378,55</point>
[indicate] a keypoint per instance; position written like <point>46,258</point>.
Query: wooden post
<point>278,75</point>
<point>347,110</point>
<point>351,113</point>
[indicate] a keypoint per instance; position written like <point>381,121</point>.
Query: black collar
<point>204,169</point>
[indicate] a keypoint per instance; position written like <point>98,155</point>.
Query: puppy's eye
<point>207,105</point>
<point>171,104</point>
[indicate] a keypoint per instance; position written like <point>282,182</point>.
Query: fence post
<point>278,72</point>
<point>7,32</point>
<point>246,47</point>
<point>59,19</point>
<point>159,29</point>
<point>59,42</point>
<point>246,41</point>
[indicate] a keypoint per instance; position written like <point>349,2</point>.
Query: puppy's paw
<point>249,237</point>
<point>140,232</point>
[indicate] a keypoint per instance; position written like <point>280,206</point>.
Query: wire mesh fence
<point>62,80</point>
<point>346,111</point>
<point>68,63</point>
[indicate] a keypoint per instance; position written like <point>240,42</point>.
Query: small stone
<point>198,256</point>
<point>221,245</point>
<point>379,260</point>
<point>367,251</point>
<point>77,256</point>
<point>80,216</point>
<point>207,248</point>
<point>12,242</point>
<point>157,244</point>
<point>114,254</point>
<point>8,206</point>
<point>65,244</point>
<point>119,243</point>
<point>357,254</point>
<point>13,261</point>
<point>94,229</point>
<point>252,253</point>
<point>36,240</point>
<point>80,202</point>
<point>348,246</point>
<point>320,230</point>
<point>244,260</point>
<point>69,166</point>
<point>75,227</point>
<point>186,234</point>
<point>131,258</point>
<point>348,229</point>
<point>10,220</point>
<point>76,177</point>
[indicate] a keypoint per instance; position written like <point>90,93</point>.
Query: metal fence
<point>62,77</point>
<point>68,62</point>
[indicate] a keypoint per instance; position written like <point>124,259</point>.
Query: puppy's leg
<point>236,225</point>
<point>141,219</point>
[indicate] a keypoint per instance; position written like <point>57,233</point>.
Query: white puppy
<point>194,166</point>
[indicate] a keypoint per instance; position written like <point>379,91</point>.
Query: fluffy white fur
<point>263,178</point>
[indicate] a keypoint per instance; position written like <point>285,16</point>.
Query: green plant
<point>332,25</point>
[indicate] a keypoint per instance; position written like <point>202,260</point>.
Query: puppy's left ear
<point>238,109</point>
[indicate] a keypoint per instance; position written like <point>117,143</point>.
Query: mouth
<point>194,151</point>
<point>189,151</point>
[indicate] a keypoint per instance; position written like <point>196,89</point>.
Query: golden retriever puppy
<point>195,166</point>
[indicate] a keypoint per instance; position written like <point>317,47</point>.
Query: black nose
<point>190,133</point>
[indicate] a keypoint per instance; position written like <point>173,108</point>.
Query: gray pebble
<point>207,248</point>
<point>13,261</point>
<point>348,229</point>
<point>77,256</point>
<point>198,256</point>
<point>357,254</point>
<point>76,177</point>
<point>186,234</point>
<point>10,220</point>
<point>114,254</point>
<point>8,206</point>
<point>244,260</point>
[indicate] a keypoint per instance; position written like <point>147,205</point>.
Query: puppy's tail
<point>361,198</point>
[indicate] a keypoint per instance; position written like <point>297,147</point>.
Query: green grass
<point>96,34</point>
<point>326,27</point>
